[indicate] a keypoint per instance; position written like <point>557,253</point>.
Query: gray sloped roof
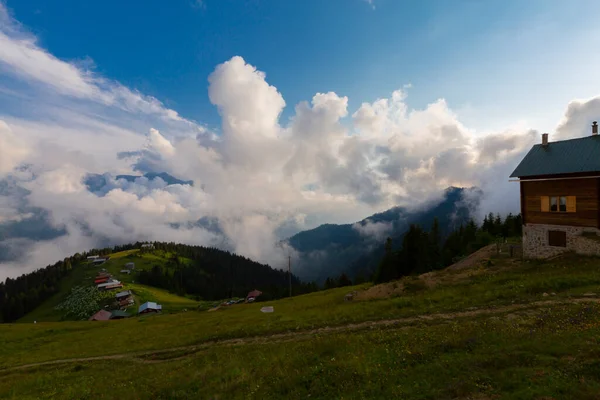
<point>562,157</point>
<point>119,313</point>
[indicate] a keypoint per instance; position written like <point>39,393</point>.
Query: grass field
<point>524,337</point>
<point>84,274</point>
<point>536,356</point>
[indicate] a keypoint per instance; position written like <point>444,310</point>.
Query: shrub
<point>83,302</point>
<point>414,285</point>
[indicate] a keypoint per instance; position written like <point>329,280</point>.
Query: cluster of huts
<point>125,298</point>
<point>105,281</point>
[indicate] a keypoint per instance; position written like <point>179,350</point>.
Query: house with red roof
<point>253,294</point>
<point>101,315</point>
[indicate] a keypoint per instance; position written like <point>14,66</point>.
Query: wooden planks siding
<point>586,191</point>
<point>523,213</point>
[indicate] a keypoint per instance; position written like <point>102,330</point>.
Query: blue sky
<point>285,114</point>
<point>471,53</point>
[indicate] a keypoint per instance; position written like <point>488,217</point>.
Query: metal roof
<point>149,305</point>
<point>119,313</point>
<point>112,282</point>
<point>562,157</point>
<point>123,293</point>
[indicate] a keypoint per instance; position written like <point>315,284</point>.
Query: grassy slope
<point>535,353</point>
<point>84,275</point>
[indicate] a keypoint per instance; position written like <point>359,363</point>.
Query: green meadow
<point>501,329</point>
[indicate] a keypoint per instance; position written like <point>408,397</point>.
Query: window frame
<point>558,204</point>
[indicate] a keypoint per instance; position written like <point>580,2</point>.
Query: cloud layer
<point>258,178</point>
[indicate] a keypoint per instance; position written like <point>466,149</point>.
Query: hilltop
<point>176,276</point>
<point>524,329</point>
<point>83,274</point>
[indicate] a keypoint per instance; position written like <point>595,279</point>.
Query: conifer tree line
<point>213,274</point>
<point>422,251</point>
<point>206,273</point>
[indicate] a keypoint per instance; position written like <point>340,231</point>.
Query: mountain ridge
<point>355,248</point>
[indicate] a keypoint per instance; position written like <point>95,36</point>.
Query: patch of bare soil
<point>475,259</point>
<point>381,291</point>
<point>467,268</point>
<point>462,270</point>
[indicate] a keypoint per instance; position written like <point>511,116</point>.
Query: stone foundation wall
<point>535,241</point>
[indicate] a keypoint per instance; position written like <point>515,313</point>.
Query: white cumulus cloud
<point>259,179</point>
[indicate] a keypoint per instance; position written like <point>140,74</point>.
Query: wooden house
<point>253,294</point>
<point>100,280</point>
<point>110,284</point>
<point>123,295</point>
<point>124,298</point>
<point>560,196</point>
<point>101,315</point>
<point>126,302</point>
<point>113,285</point>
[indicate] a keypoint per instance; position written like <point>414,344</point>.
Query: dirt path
<point>282,337</point>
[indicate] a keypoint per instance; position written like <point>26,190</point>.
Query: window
<point>557,238</point>
<point>558,204</point>
<point>562,204</point>
<point>553,204</point>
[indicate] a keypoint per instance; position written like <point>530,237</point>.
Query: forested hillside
<point>205,273</point>
<point>21,295</point>
<point>355,249</point>
<point>423,251</point>
<point>213,274</point>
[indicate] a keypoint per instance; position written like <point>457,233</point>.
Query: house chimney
<point>595,128</point>
<point>544,139</point>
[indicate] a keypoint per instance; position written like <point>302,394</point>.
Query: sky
<point>285,114</point>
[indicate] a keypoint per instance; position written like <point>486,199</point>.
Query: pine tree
<point>329,283</point>
<point>486,224</point>
<point>387,269</point>
<point>415,252</point>
<point>343,280</point>
<point>518,225</point>
<point>435,250</point>
<point>498,225</point>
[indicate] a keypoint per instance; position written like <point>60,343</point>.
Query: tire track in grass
<point>144,356</point>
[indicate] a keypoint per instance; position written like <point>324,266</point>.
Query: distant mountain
<point>330,249</point>
<point>169,179</point>
<point>28,224</point>
<point>96,182</point>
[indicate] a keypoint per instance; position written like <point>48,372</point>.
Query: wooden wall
<point>586,190</point>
